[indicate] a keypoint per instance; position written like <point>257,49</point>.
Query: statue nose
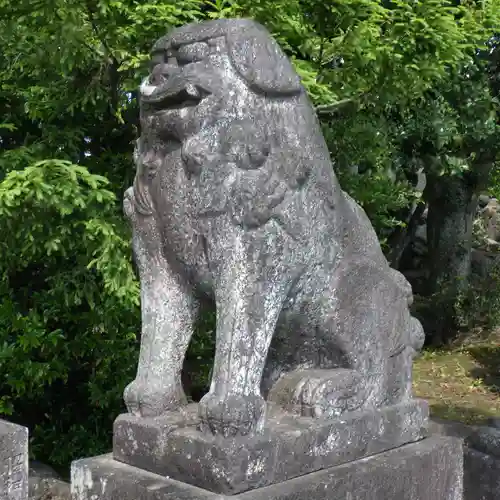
<point>162,72</point>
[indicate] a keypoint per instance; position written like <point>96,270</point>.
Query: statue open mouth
<point>172,93</point>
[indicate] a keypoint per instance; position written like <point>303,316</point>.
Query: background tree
<point>455,135</point>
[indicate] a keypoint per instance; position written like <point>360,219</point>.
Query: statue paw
<point>320,393</point>
<point>334,393</point>
<point>153,399</point>
<point>232,415</point>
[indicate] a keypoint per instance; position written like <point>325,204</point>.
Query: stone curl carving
<point>235,201</point>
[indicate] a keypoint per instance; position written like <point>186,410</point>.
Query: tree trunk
<point>452,206</point>
<point>402,237</point>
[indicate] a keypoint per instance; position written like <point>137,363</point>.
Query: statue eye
<point>192,53</point>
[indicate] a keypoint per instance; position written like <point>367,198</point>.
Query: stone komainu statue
<point>235,201</point>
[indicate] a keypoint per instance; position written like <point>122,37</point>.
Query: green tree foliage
<point>68,80</point>
<point>68,305</point>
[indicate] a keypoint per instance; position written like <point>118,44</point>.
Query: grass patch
<point>461,382</point>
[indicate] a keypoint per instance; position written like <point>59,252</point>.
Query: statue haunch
<point>235,201</point>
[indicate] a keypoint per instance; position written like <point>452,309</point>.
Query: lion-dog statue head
<point>235,202</point>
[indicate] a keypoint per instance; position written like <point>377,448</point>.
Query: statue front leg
<point>168,312</point>
<point>250,286</point>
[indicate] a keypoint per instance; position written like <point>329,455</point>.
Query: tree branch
<point>334,108</point>
<point>98,35</point>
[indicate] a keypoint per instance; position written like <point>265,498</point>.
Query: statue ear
<point>259,60</point>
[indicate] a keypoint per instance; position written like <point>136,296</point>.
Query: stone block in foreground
<point>13,461</point>
<point>430,469</point>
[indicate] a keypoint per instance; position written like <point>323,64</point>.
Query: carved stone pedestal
<point>427,470</point>
<point>290,446</point>
<point>378,454</point>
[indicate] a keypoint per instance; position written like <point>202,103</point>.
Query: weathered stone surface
<point>449,428</point>
<point>46,484</point>
<point>491,218</point>
<point>494,422</point>
<point>13,461</point>
<point>235,202</point>
<point>289,446</point>
<point>481,476</point>
<point>484,263</point>
<point>486,440</point>
<point>428,470</point>
<point>483,200</point>
<point>481,457</point>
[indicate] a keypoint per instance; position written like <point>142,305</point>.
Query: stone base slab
<point>289,447</point>
<point>428,470</point>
